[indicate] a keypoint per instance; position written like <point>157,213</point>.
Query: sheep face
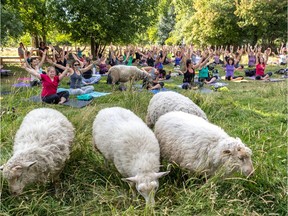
<point>16,175</point>
<point>147,184</point>
<point>238,160</point>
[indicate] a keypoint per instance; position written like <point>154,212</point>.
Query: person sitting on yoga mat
<point>204,76</point>
<point>75,74</point>
<point>230,69</point>
<point>50,83</point>
<point>261,63</point>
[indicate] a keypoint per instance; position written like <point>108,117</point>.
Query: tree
<point>101,22</point>
<point>263,20</point>
<point>35,17</point>
<point>11,25</point>
<point>166,23</point>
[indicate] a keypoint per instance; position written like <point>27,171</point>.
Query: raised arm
<point>64,73</point>
<point>56,65</point>
<point>32,72</point>
<point>266,54</point>
<point>43,58</point>
<point>88,67</point>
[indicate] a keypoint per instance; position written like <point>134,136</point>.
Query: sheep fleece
<point>165,102</point>
<point>45,136</point>
<point>125,139</point>
<point>197,145</point>
<point>123,73</point>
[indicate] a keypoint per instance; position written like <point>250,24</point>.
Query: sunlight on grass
<point>256,112</point>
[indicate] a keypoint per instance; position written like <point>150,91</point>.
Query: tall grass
<point>255,111</point>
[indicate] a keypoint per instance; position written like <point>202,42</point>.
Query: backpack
<point>84,97</point>
<point>250,72</point>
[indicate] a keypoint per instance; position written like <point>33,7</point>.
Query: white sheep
<point>165,102</point>
<point>125,139</point>
<point>199,146</point>
<point>41,147</point>
<point>124,73</point>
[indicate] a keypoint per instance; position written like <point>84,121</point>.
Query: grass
<point>255,111</point>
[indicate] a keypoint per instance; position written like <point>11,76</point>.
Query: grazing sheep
<point>165,102</point>
<point>125,139</point>
<point>41,147</point>
<point>199,146</point>
<point>123,73</point>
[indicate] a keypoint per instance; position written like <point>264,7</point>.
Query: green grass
<point>255,111</point>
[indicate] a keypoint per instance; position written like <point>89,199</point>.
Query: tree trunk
<point>92,43</point>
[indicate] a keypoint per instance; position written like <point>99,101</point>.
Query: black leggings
<point>55,98</point>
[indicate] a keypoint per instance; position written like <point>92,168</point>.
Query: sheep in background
<point>123,74</point>
<point>125,139</point>
<point>199,146</point>
<point>165,102</point>
<point>41,147</point>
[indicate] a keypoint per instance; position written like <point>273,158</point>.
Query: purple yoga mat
<point>21,84</point>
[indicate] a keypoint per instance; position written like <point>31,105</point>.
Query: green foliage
<point>166,23</point>
<point>265,20</point>
<point>11,24</point>
<point>255,111</point>
<point>103,21</point>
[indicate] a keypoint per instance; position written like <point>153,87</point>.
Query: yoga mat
<point>169,80</point>
<point>5,92</point>
<point>72,102</point>
<point>218,84</point>
<point>275,80</point>
<point>204,90</point>
<point>98,94</point>
<point>21,84</point>
<point>155,91</point>
<point>94,94</point>
<point>24,79</point>
<point>5,72</point>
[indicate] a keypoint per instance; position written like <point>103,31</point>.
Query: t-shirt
<point>49,87</point>
<point>230,70</point>
<point>204,72</point>
<point>260,69</point>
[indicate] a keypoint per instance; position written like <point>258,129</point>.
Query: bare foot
<point>62,100</point>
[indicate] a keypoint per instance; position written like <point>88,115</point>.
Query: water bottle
<point>94,70</point>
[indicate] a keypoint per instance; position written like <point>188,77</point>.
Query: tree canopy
<point>101,22</point>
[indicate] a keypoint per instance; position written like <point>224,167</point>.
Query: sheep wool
<point>199,146</point>
<point>41,147</point>
<point>122,137</point>
<point>124,73</point>
<point>165,102</point>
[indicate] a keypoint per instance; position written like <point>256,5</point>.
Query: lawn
<point>255,111</point>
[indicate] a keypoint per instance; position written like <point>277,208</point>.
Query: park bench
<point>13,59</point>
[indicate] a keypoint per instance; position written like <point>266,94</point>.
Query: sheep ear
<point>130,179</point>
<point>228,152</point>
<point>16,168</point>
<point>1,168</point>
<point>161,174</point>
<point>28,164</point>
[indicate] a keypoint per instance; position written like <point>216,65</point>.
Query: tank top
<point>75,80</point>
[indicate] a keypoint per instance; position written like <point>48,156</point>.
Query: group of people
<point>186,59</point>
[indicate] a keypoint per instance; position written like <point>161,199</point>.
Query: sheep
<point>122,137</point>
<point>123,73</point>
<point>201,147</point>
<point>165,102</point>
<point>41,147</point>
